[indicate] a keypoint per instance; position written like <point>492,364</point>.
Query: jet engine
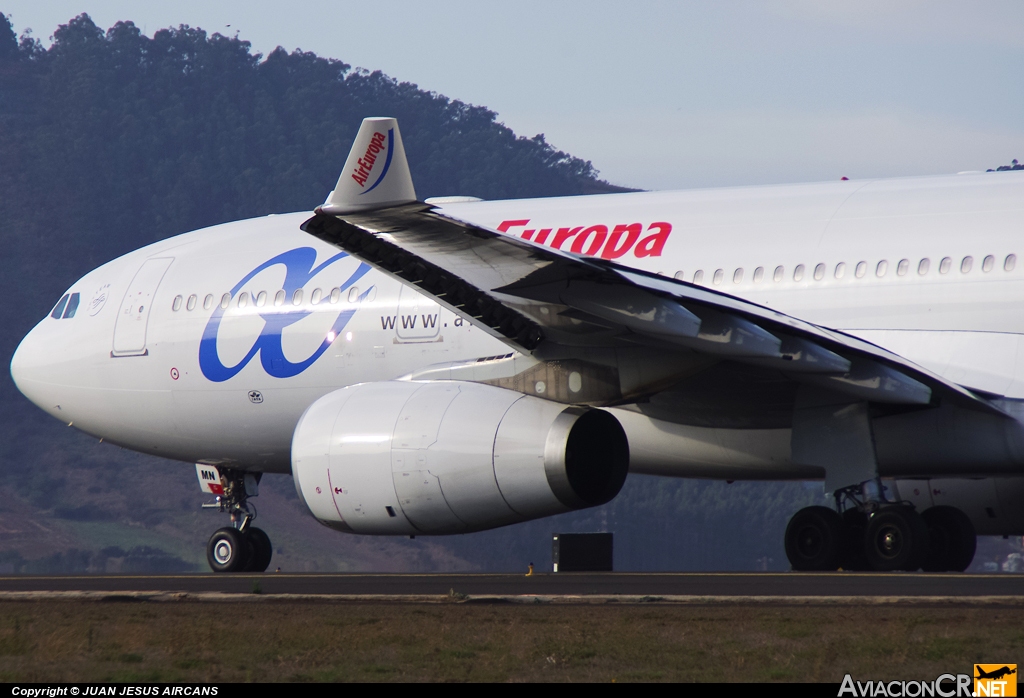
<point>409,458</point>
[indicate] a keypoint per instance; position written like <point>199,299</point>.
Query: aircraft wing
<point>532,297</point>
<point>553,305</point>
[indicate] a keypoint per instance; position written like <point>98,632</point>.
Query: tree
<point>8,40</point>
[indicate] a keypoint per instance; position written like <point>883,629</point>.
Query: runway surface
<point>787,584</point>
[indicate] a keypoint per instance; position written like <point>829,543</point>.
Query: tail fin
<point>376,173</point>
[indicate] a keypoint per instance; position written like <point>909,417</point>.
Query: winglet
<point>376,173</point>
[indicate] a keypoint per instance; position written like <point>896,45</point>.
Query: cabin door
<point>133,317</point>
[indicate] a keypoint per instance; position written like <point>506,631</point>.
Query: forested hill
<point>130,139</point>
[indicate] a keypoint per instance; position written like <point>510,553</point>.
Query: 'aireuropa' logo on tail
<point>364,165</point>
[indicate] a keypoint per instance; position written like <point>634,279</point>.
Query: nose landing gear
<point>240,547</point>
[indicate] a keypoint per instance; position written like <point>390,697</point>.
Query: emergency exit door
<point>133,317</point>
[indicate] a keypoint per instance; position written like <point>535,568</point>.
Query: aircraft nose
<point>25,369</point>
<point>37,368</point>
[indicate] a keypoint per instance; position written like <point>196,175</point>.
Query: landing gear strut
<point>240,547</point>
<point>867,532</point>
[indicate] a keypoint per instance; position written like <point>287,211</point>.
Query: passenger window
<point>901,268</point>
<point>335,295</point>
<point>798,273</point>
<point>717,279</point>
<point>679,275</point>
<point>243,299</point>
<point>758,275</point>
<point>698,276</point>
<point>923,266</point>
<point>353,294</point>
<point>191,304</point>
<point>819,272</point>
<point>861,270</point>
<point>225,301</point>
<point>841,270</point>
<point>261,299</point>
<point>944,265</point>
<point>208,301</point>
<point>279,298</point>
<point>779,273</point>
<point>1010,263</point>
<point>297,297</point>
<point>737,276</point>
<point>988,263</point>
<point>317,295</point>
<point>176,305</point>
<point>965,266</point>
<point>882,267</point>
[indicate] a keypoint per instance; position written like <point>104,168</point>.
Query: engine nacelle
<point>409,458</point>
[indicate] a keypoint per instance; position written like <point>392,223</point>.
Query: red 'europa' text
<point>597,240</point>
<point>365,163</point>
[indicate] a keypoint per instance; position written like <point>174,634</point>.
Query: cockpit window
<point>58,309</point>
<point>72,305</point>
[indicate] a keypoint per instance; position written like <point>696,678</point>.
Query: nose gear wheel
<point>228,551</point>
<point>239,547</point>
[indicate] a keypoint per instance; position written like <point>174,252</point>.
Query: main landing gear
<point>869,533</point>
<point>240,547</point>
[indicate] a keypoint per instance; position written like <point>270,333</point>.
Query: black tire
<point>952,540</point>
<point>852,558</point>
<point>814,540</point>
<point>262,550</point>
<point>922,541</point>
<point>896,539</point>
<point>227,551</point>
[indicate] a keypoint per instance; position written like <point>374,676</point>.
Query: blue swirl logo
<point>299,269</point>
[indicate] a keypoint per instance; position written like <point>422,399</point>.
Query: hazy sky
<point>665,95</point>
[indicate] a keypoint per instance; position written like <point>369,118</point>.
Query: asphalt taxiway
<point>712,585</point>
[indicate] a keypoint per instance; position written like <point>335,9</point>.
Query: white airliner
<point>456,365</point>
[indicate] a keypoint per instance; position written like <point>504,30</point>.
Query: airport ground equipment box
<point>581,552</point>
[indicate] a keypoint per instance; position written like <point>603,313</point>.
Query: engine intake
<point>402,457</point>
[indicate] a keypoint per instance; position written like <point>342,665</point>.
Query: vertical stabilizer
<point>376,172</point>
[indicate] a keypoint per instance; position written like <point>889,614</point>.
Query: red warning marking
<point>174,374</point>
<point>334,499</point>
